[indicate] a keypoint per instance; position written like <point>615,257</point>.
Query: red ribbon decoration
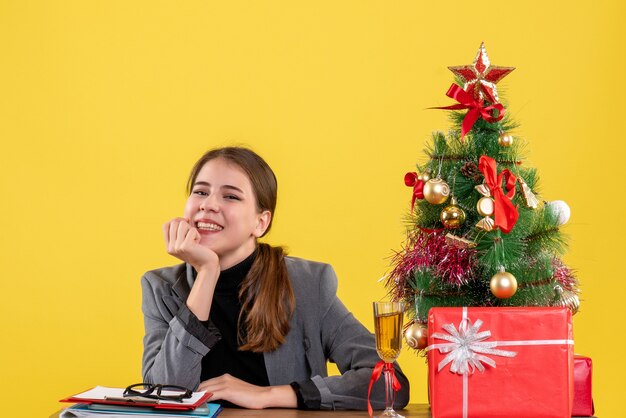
<point>410,179</point>
<point>476,108</point>
<point>378,369</point>
<point>431,231</point>
<point>505,211</point>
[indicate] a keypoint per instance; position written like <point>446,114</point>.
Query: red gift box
<point>500,362</point>
<point>583,402</point>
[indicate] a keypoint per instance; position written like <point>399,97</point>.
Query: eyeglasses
<point>154,391</point>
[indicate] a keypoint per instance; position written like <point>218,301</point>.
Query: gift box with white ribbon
<point>500,362</point>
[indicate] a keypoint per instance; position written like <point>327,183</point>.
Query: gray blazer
<point>322,330</point>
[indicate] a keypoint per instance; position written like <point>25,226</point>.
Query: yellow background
<point>105,105</point>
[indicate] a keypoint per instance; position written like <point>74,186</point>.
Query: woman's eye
<point>232,197</point>
<point>200,193</point>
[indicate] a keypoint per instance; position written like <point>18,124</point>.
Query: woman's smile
<point>208,227</point>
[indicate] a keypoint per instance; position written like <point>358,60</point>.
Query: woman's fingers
<point>192,237</point>
<point>206,387</point>
<point>181,234</point>
<point>174,233</point>
<point>182,240</point>
<point>167,235</point>
<point>214,384</point>
<point>171,233</point>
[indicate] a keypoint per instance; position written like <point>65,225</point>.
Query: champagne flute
<point>388,318</point>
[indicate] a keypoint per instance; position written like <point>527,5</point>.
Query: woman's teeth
<point>209,226</point>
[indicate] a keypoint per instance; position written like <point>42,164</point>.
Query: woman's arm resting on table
<point>352,347</point>
<point>246,395</point>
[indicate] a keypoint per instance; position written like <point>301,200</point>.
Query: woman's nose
<point>209,203</point>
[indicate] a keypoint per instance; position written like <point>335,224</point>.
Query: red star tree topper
<point>481,77</point>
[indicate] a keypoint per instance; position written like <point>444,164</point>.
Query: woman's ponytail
<point>267,302</point>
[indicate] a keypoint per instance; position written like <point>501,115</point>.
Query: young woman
<point>239,318</point>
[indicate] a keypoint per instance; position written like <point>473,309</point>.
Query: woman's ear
<point>263,221</point>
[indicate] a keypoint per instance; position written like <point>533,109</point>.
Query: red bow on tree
<point>411,180</point>
<point>378,370</point>
<point>476,108</point>
<point>505,212</point>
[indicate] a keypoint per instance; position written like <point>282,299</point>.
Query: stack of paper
<point>108,402</point>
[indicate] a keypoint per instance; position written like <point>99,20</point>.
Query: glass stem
<point>389,392</point>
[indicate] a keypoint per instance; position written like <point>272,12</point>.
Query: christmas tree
<point>478,232</point>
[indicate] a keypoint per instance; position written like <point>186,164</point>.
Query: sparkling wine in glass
<point>388,317</point>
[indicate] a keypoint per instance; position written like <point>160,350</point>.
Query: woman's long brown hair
<point>267,301</point>
<point>266,294</point>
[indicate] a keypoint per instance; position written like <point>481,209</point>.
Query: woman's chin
<point>208,241</point>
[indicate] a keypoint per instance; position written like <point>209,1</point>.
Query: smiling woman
<point>222,207</point>
<point>241,319</point>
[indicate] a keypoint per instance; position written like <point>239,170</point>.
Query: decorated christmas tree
<point>479,233</point>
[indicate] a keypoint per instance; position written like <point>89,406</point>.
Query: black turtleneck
<point>224,356</point>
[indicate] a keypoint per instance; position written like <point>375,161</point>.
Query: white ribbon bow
<point>466,348</point>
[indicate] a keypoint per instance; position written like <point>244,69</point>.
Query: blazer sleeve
<point>175,339</point>
<point>352,347</point>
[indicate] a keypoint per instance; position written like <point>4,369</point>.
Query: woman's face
<point>223,208</point>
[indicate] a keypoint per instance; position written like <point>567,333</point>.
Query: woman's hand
<point>183,241</point>
<point>249,396</point>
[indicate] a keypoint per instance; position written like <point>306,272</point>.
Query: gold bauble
<point>485,206</point>
<point>503,285</point>
<point>436,191</point>
<point>567,298</point>
<point>452,216</point>
<point>416,336</point>
<point>424,177</point>
<point>571,301</point>
<point>505,140</point>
